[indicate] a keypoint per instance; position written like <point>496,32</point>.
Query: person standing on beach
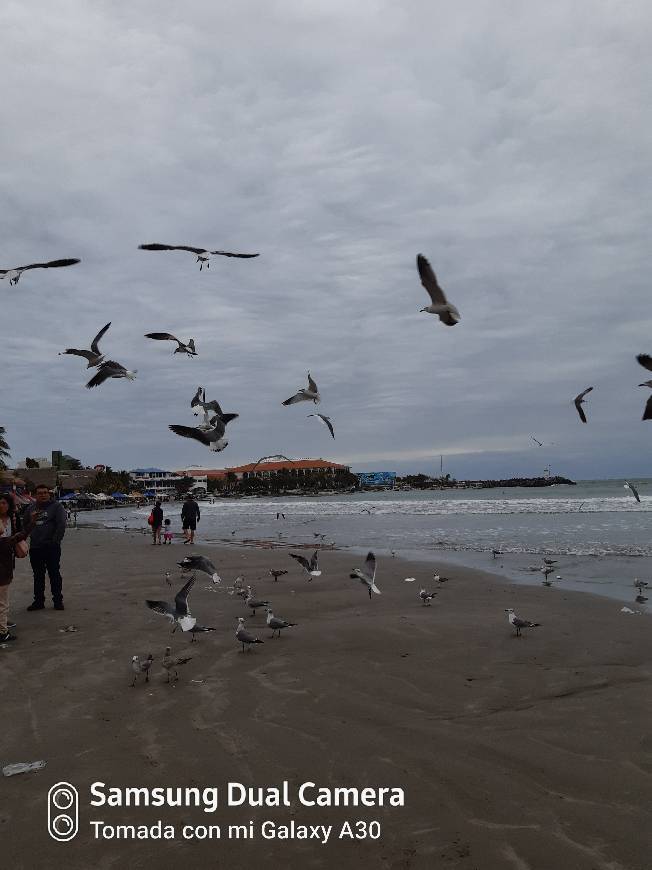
<point>157,523</point>
<point>49,520</point>
<point>9,537</point>
<point>190,516</point>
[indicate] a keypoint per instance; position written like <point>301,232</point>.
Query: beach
<point>527,753</point>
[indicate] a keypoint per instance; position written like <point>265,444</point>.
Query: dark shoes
<point>6,637</point>
<point>36,606</point>
<point>58,605</point>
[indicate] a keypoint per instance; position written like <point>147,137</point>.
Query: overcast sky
<point>508,142</point>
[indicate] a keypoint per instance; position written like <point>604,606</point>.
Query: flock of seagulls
<point>643,359</point>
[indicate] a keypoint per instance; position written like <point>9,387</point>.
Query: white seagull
<point>182,347</point>
<point>244,637</point>
<point>212,438</point>
<point>110,369</point>
<point>276,623</point>
<point>171,664</point>
<point>440,306</point>
<point>254,603</point>
<point>15,273</point>
<point>311,394</point>
<point>310,567</point>
<point>92,356</point>
<point>325,420</point>
<point>367,574</point>
<point>426,597</point>
<point>195,562</point>
<point>139,667</point>
<point>518,623</point>
<point>178,613</point>
<point>203,255</point>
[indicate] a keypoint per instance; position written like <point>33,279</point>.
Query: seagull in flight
<point>203,255</point>
<point>628,485</point>
<point>646,361</point>
<point>15,273</point>
<point>367,574</point>
<point>110,369</point>
<point>440,306</point>
<point>276,623</point>
<point>311,394</point>
<point>245,637</point>
<point>310,567</point>
<point>536,441</point>
<point>578,401</point>
<point>212,438</point>
<point>92,356</point>
<point>517,622</point>
<point>188,348</point>
<point>194,562</point>
<point>325,420</point>
<point>178,613</point>
<point>139,667</point>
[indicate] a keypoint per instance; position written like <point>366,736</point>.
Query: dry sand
<point>524,753</point>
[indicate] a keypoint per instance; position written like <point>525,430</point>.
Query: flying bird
<point>212,438</point>
<point>440,306</point>
<point>536,441</point>
<point>367,574</point>
<point>110,369</point>
<point>276,623</point>
<point>276,573</point>
<point>178,613</point>
<point>188,347</point>
<point>311,394</point>
<point>517,622</point>
<point>15,273</point>
<point>171,664</point>
<point>92,356</point>
<point>244,637</point>
<point>139,667</point>
<point>628,485</point>
<point>200,563</point>
<point>578,401</point>
<point>203,255</point>
<point>310,567</point>
<point>426,597</point>
<point>325,420</point>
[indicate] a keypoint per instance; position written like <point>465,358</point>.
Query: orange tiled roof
<point>308,464</point>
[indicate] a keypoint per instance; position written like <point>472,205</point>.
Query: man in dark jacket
<point>157,523</point>
<point>49,519</point>
<point>189,518</point>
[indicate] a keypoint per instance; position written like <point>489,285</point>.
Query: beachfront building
<point>155,480</point>
<point>385,479</point>
<point>199,479</point>
<point>301,469</point>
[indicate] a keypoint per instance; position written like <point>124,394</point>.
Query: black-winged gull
<point>111,369</point>
<point>311,394</point>
<point>245,637</point>
<point>517,622</point>
<point>440,306</point>
<point>311,567</point>
<point>633,489</point>
<point>212,438</point>
<point>15,273</point>
<point>578,401</point>
<point>92,356</point>
<point>195,562</point>
<point>187,347</point>
<point>326,421</point>
<point>276,623</point>
<point>203,255</point>
<point>367,574</point>
<point>178,613</point>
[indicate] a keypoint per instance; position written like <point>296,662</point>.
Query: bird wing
<point>213,405</point>
<point>94,343</point>
<point>580,411</point>
<point>231,254</point>
<point>106,370</point>
<point>370,566</point>
<point>181,598</point>
<point>328,423</point>
<point>647,414</point>
<point>190,432</point>
<point>161,607</point>
<point>645,360</point>
<point>245,636</point>
<point>87,354</point>
<point>429,281</point>
<point>226,418</point>
<point>191,344</point>
<point>582,394</point>
<point>312,386</point>
<point>634,491</point>
<point>53,264</point>
<point>155,246</point>
<point>301,560</point>
<point>163,336</point>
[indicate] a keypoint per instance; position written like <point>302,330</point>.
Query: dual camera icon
<point>63,811</point>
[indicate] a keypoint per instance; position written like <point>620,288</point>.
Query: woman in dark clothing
<point>157,523</point>
<point>9,537</point>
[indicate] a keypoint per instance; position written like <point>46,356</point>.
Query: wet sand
<point>531,753</point>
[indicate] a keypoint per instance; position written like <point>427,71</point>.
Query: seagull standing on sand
<point>212,438</point>
<point>139,667</point>
<point>518,623</point>
<point>200,563</point>
<point>199,629</point>
<point>110,369</point>
<point>171,663</point>
<point>310,567</point>
<point>203,255</point>
<point>426,597</point>
<point>276,573</point>
<point>244,637</point>
<point>628,485</point>
<point>311,394</point>
<point>325,420</point>
<point>92,356</point>
<point>276,623</point>
<point>188,347</point>
<point>15,273</point>
<point>440,306</point>
<point>178,614</point>
<point>367,574</point>
<point>578,401</point>
<point>254,603</point>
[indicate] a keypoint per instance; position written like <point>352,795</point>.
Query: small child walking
<point>167,532</point>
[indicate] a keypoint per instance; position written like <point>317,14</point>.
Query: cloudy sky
<point>509,143</point>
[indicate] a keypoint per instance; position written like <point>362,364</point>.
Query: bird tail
<point>375,589</point>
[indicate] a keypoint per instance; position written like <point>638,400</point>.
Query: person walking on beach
<point>9,537</point>
<point>190,517</point>
<point>49,520</point>
<point>167,531</point>
<point>157,523</point>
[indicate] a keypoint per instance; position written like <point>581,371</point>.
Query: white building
<point>156,480</point>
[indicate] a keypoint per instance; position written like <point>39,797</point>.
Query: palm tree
<point>4,449</point>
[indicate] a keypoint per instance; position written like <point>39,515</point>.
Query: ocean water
<point>599,534</point>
